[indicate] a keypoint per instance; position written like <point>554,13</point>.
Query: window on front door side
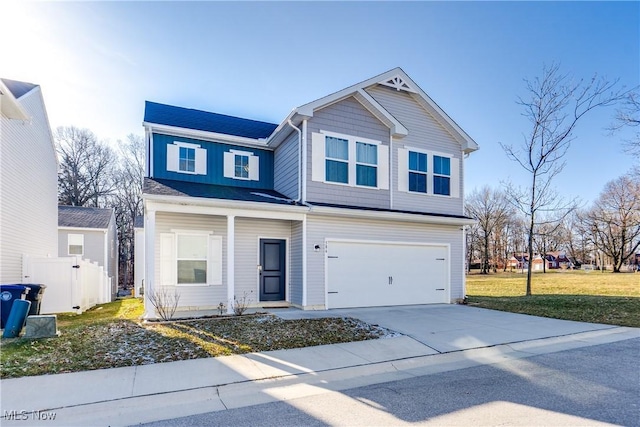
<point>417,172</point>
<point>337,160</point>
<point>366,164</point>
<point>192,259</point>
<point>187,162</point>
<point>441,175</point>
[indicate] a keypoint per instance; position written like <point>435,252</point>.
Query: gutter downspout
<point>290,123</point>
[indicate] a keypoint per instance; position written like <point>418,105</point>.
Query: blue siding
<point>215,163</point>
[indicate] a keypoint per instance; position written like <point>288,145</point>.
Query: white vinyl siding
<point>28,189</point>
<point>241,165</point>
<point>192,160</point>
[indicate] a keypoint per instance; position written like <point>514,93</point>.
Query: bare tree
<point>86,166</point>
<point>127,201</point>
<point>614,220</point>
<point>492,210</point>
<point>628,115</point>
<point>554,107</point>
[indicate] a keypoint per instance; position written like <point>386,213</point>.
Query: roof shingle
<point>82,217</point>
<point>170,115</point>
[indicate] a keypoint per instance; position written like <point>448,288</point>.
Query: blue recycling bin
<point>17,318</point>
<point>9,294</point>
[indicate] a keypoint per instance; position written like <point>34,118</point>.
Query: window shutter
<point>215,260</point>
<point>173,157</point>
<point>383,167</point>
<point>455,177</point>
<point>229,166</point>
<point>167,259</point>
<point>403,169</point>
<point>317,157</point>
<point>254,168</point>
<point>201,161</point>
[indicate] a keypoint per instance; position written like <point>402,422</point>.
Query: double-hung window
<point>187,159</point>
<point>366,164</point>
<point>417,172</point>
<point>241,165</point>
<point>337,160</point>
<point>428,172</point>
<point>441,175</point>
<point>192,258</point>
<point>349,160</point>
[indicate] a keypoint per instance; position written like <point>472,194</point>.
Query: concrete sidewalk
<point>127,396</point>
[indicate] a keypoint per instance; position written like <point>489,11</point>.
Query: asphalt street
<point>595,385</point>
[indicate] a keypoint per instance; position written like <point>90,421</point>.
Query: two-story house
<point>355,199</point>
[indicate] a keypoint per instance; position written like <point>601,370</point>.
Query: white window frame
<point>80,239</point>
<point>230,165</point>
<point>173,158</point>
<point>434,175</point>
<point>319,158</point>
<point>426,174</point>
<point>169,258</point>
<point>403,172</point>
<point>359,141</point>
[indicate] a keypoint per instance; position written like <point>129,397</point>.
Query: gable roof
<point>168,115</point>
<point>10,91</point>
<point>18,88</point>
<point>83,217</point>
<point>395,78</point>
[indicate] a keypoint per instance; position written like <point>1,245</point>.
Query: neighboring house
<point>91,234</point>
<point>353,200</point>
<point>138,256</point>
<point>28,180</point>
<point>558,259</point>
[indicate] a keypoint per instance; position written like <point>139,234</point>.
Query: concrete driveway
<point>446,328</point>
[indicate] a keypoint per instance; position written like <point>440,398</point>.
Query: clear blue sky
<point>97,63</point>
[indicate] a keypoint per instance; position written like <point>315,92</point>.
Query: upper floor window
<point>417,172</point>
<point>75,244</point>
<point>349,160</point>
<point>423,171</point>
<point>366,164</point>
<point>184,157</point>
<point>337,163</point>
<point>241,165</point>
<point>441,175</point>
<point>187,159</point>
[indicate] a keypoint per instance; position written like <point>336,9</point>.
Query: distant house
<point>90,233</point>
<point>28,180</point>
<point>558,259</point>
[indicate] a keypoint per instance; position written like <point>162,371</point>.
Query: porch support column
<point>231,279</point>
<point>304,262</point>
<point>149,262</point>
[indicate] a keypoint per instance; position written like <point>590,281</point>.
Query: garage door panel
<point>374,274</point>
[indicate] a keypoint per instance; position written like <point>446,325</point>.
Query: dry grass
<point>596,297</point>
<point>111,336</point>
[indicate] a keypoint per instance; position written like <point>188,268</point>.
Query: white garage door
<point>361,274</point>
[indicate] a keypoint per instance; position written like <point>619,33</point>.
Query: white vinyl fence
<point>73,284</point>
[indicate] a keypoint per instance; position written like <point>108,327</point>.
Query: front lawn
<point>594,297</point>
<point>111,336</point>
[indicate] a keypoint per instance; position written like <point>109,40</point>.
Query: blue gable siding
<point>215,163</point>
